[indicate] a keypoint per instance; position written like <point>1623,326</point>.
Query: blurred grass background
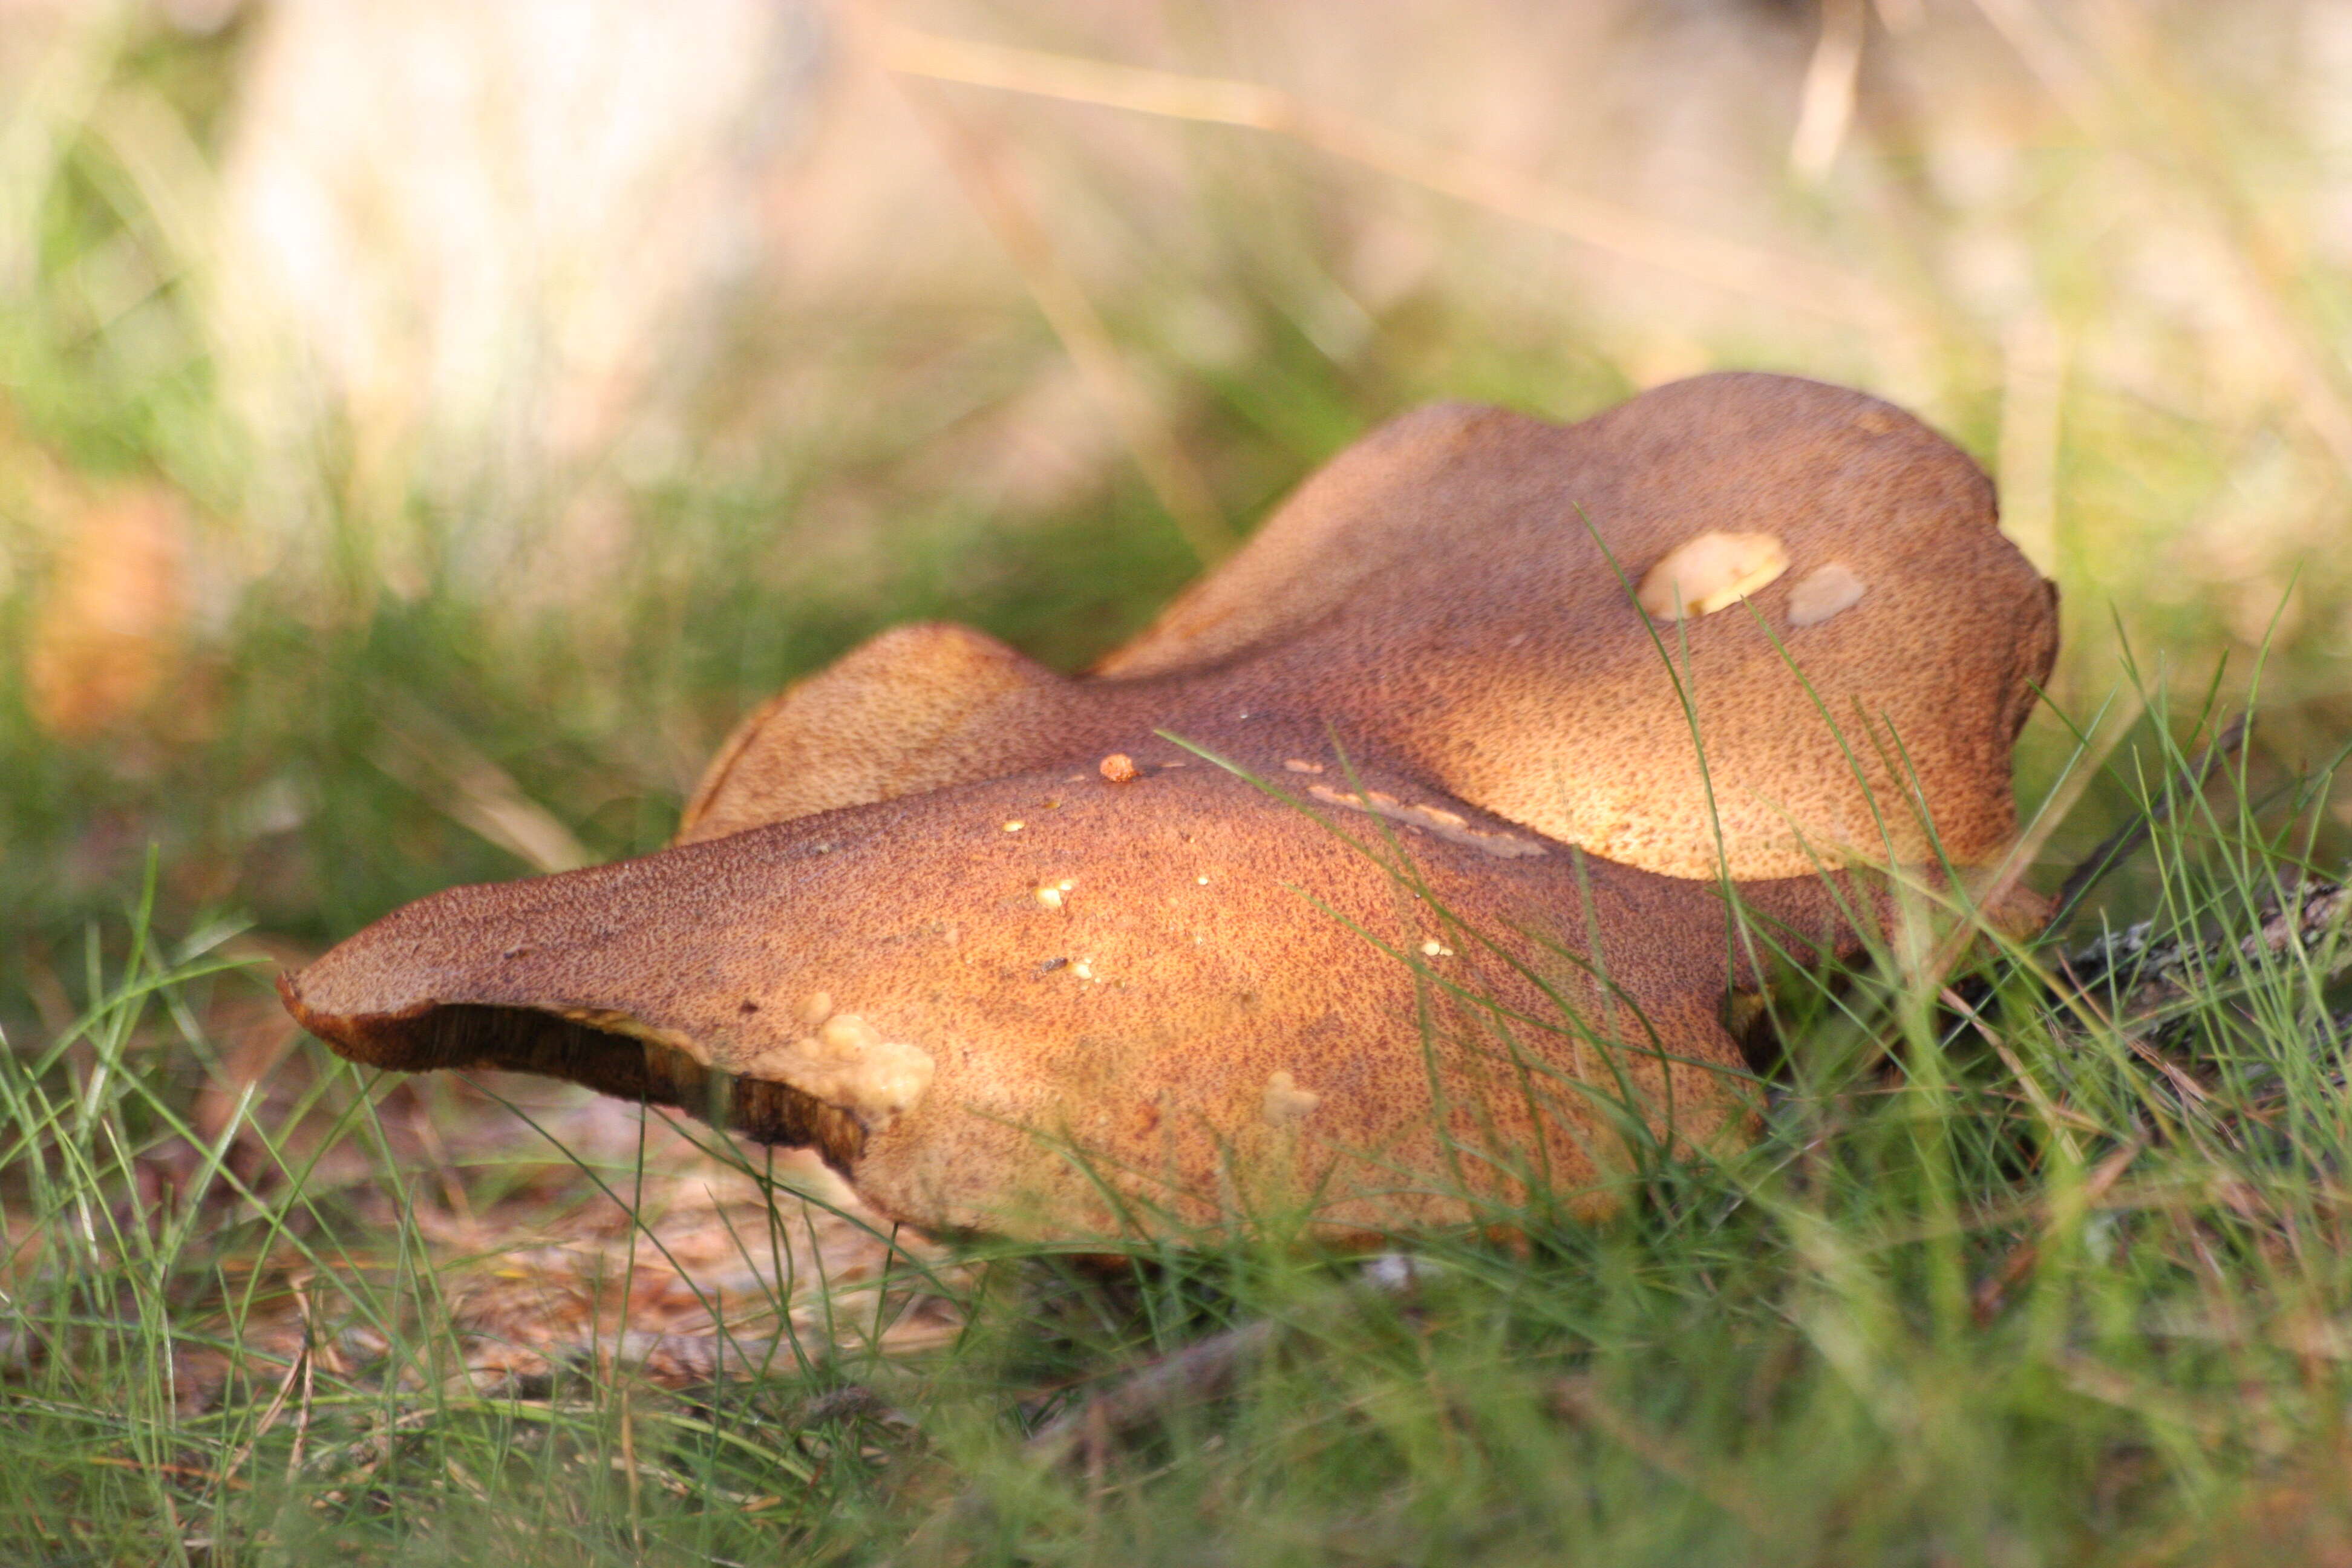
<point>424,427</point>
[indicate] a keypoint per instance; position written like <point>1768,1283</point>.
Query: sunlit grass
<point>2058,1277</point>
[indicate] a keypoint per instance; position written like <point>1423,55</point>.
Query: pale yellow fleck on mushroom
<point>1301,765</point>
<point>1065,884</point>
<point>1119,768</point>
<point>1703,574</point>
<point>1446,825</point>
<point>1202,880</point>
<point>1084,969</point>
<point>1824,591</point>
<point>1286,1104</point>
<point>1014,826</point>
<point>815,1008</point>
<point>1433,948</point>
<point>1051,896</point>
<point>848,1063</point>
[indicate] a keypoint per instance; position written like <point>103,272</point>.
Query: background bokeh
<point>424,425</point>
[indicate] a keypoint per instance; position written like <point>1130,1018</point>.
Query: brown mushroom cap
<point>1226,1005</point>
<point>914,921</point>
<point>1459,592</point>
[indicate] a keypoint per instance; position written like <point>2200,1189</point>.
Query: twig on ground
<point>1193,1375</point>
<point>2308,916</point>
<point>688,1358</point>
<point>1200,1371</point>
<point>2150,991</point>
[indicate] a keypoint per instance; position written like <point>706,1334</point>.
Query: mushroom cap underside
<point>1060,1007</point>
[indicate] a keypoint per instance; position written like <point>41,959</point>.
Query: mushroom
<point>1489,947</point>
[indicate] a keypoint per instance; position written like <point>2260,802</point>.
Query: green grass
<point>2071,1288</point>
<point>2065,1289</point>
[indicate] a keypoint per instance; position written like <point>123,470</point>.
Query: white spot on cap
<point>1704,574</point>
<point>1286,1104</point>
<point>1824,591</point>
<point>1014,826</point>
<point>845,1062</point>
<point>1433,948</point>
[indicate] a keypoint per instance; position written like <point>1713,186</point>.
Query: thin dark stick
<point>2125,841</point>
<point>1198,1372</point>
